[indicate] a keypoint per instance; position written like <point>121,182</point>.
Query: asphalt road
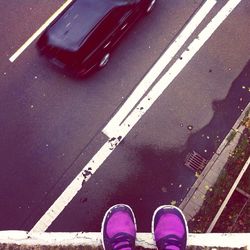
<point>51,124</point>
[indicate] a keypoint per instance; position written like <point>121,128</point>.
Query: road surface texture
<point>52,124</point>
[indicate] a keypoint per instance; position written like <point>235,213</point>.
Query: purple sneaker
<point>119,228</point>
<point>169,228</point>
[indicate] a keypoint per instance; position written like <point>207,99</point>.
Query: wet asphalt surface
<point>51,123</point>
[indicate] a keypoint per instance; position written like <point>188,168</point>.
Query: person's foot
<point>169,228</point>
<point>119,228</point>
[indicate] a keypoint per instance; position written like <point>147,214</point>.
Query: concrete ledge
<point>93,240</point>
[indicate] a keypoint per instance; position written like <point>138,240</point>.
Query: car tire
<point>104,61</point>
<point>150,6</point>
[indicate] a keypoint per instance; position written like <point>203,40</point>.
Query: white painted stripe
<point>158,67</point>
<point>176,68</point>
<point>119,135</point>
<point>223,205</point>
<point>38,32</point>
<point>68,194</point>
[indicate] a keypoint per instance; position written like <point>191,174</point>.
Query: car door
<point>99,41</point>
<point>126,17</point>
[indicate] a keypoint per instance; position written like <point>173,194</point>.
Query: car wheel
<point>150,6</point>
<point>104,60</point>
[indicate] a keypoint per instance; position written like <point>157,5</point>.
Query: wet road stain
<point>160,177</point>
<point>226,112</point>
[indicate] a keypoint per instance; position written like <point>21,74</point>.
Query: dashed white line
<point>38,32</point>
<point>158,67</point>
<point>104,152</point>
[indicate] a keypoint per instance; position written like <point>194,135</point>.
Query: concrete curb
<point>93,239</point>
<point>196,195</point>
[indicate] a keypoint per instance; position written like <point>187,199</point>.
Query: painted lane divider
<point>69,193</point>
<point>177,67</point>
<point>63,200</point>
<point>38,32</point>
<point>158,67</point>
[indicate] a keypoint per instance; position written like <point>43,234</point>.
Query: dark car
<point>83,35</point>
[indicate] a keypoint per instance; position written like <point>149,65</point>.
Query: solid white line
<point>38,32</point>
<point>158,67</point>
<point>177,67</point>
<point>68,194</point>
<point>104,152</point>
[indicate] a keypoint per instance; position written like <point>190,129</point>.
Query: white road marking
<point>104,152</point>
<point>158,67</point>
<point>38,32</point>
<point>68,194</point>
<point>176,68</point>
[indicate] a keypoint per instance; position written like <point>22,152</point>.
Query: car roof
<point>75,23</point>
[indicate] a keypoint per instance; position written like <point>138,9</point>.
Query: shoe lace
<point>170,240</point>
<point>122,240</point>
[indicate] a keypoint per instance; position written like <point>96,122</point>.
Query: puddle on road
<point>159,178</point>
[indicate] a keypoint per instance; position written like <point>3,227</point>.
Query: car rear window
<point>103,30</point>
<point>75,24</point>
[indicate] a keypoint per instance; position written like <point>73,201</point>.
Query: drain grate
<point>196,162</point>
